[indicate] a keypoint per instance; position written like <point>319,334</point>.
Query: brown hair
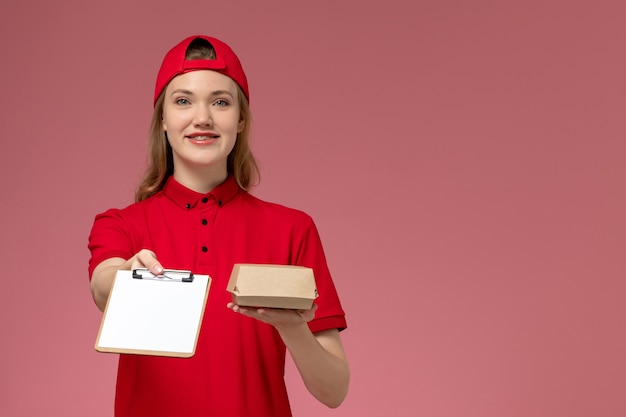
<point>241,163</point>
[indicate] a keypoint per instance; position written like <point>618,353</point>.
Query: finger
<point>148,259</point>
<point>233,307</point>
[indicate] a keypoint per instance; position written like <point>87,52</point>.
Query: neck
<point>201,180</point>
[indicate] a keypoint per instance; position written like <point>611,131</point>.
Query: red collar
<point>186,198</point>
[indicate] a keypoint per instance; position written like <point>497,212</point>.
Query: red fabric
<point>238,368</point>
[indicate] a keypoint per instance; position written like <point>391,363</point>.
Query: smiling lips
<point>203,137</point>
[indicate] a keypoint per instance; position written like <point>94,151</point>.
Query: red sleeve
<point>329,314</point>
<point>109,238</point>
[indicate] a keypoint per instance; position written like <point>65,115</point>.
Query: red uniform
<point>238,368</point>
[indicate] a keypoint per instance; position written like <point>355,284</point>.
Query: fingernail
<point>158,268</point>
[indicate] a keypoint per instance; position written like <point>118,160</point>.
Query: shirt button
<point>205,200</point>
<point>205,249</point>
<point>219,203</point>
<point>204,222</point>
<point>187,206</point>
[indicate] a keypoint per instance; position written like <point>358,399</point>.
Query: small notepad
<point>149,315</point>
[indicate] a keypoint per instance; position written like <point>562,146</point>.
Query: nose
<point>202,116</point>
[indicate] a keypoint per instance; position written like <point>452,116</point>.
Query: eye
<point>182,101</point>
<point>221,102</point>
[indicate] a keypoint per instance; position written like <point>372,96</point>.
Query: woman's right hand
<point>145,258</point>
<point>104,274</point>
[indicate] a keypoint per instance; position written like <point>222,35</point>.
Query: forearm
<point>321,361</point>
<point>102,280</point>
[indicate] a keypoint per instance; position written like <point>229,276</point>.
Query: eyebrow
<point>214,93</point>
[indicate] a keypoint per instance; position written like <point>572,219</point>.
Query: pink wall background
<point>464,162</point>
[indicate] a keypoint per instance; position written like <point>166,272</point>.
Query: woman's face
<point>201,117</point>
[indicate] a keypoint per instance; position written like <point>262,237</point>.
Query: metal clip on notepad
<point>172,275</point>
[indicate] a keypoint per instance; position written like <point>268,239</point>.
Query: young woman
<point>193,211</point>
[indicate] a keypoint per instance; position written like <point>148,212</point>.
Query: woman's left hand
<point>280,318</point>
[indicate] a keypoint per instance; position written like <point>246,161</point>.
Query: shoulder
<point>274,210</point>
<point>129,214</point>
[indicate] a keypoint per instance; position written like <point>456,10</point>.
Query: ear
<point>241,124</point>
